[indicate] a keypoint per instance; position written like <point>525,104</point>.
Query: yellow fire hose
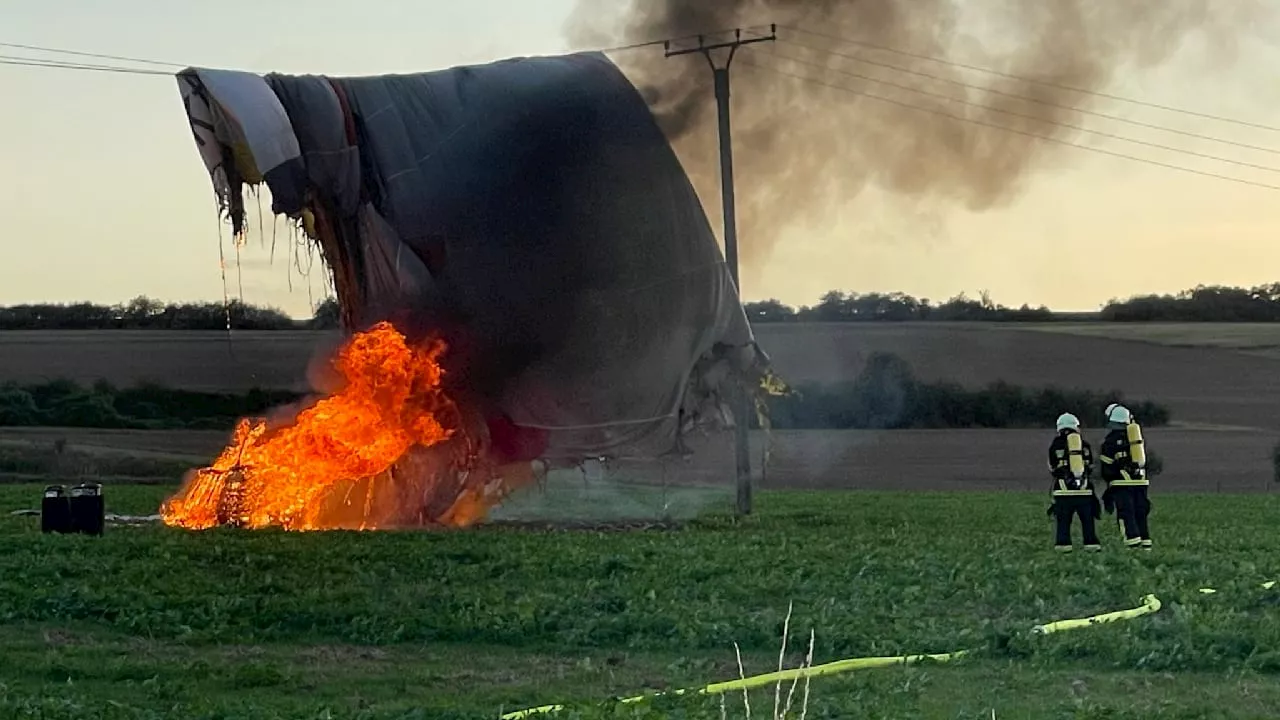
<point>1150,604</point>
<point>755,681</point>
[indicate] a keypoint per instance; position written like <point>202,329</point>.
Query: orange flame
<point>388,449</point>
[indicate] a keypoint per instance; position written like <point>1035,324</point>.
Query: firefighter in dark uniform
<point>1071,464</point>
<point>1123,461</point>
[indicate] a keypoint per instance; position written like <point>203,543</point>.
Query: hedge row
<point>62,403</point>
<point>887,395</point>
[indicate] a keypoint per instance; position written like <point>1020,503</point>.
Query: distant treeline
<point>887,395</point>
<point>62,403</point>
<point>1200,304</point>
<point>143,313</point>
<point>838,306</point>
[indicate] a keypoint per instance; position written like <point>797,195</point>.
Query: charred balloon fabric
<point>530,211</point>
<point>530,216</point>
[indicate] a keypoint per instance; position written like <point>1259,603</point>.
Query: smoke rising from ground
<point>802,149</point>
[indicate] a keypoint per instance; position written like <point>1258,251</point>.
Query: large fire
<point>387,449</point>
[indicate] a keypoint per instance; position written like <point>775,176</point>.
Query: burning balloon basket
<point>388,448</point>
<point>418,491</point>
<point>596,496</point>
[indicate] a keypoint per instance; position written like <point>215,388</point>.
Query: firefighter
<point>1071,465</point>
<point>1124,468</point>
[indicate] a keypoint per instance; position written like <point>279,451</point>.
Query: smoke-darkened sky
<point>807,146</point>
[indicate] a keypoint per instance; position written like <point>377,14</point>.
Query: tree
<point>984,299</point>
<point>142,309</point>
<point>326,315</point>
<point>831,308</point>
<point>1200,304</point>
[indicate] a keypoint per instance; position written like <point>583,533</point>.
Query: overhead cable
<point>1025,98</point>
<point>995,126</point>
<point>1037,81</point>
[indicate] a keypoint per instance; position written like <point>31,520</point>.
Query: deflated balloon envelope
<point>529,211</point>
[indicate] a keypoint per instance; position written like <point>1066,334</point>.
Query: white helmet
<point>1107,413</point>
<point>1067,421</point>
<point>1119,414</point>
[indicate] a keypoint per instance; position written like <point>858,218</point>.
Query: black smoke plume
<point>803,149</point>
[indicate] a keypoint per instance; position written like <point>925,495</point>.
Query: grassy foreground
<point>150,622</point>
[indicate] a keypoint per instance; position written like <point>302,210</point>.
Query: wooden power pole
<point>742,401</point>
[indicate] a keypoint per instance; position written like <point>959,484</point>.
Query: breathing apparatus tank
<point>1075,455</point>
<point>1137,452</point>
<point>1120,415</point>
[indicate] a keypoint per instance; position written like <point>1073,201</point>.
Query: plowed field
<point>1224,399</point>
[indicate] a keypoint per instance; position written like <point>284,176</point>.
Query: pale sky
<point>104,197</point>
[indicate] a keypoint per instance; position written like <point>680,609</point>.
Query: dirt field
<point>1196,460</point>
<point>1202,385</point>
<point>192,360</point>
<point>1262,338</point>
<point>1223,381</point>
<point>199,445</point>
<point>1224,399</point>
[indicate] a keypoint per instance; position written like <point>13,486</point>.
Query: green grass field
<point>150,622</point>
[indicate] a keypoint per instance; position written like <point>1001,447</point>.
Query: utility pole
<point>720,73</point>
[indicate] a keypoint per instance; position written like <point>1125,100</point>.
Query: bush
<point>1155,464</point>
<point>18,407</point>
<point>89,409</point>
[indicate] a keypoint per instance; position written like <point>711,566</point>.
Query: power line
<point>17,61</point>
<point>40,48</point>
<point>20,61</point>
<point>994,126</point>
<point>1025,116</point>
<point>633,46</point>
<point>1024,98</point>
<point>1046,83</point>
<point>691,36</point>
